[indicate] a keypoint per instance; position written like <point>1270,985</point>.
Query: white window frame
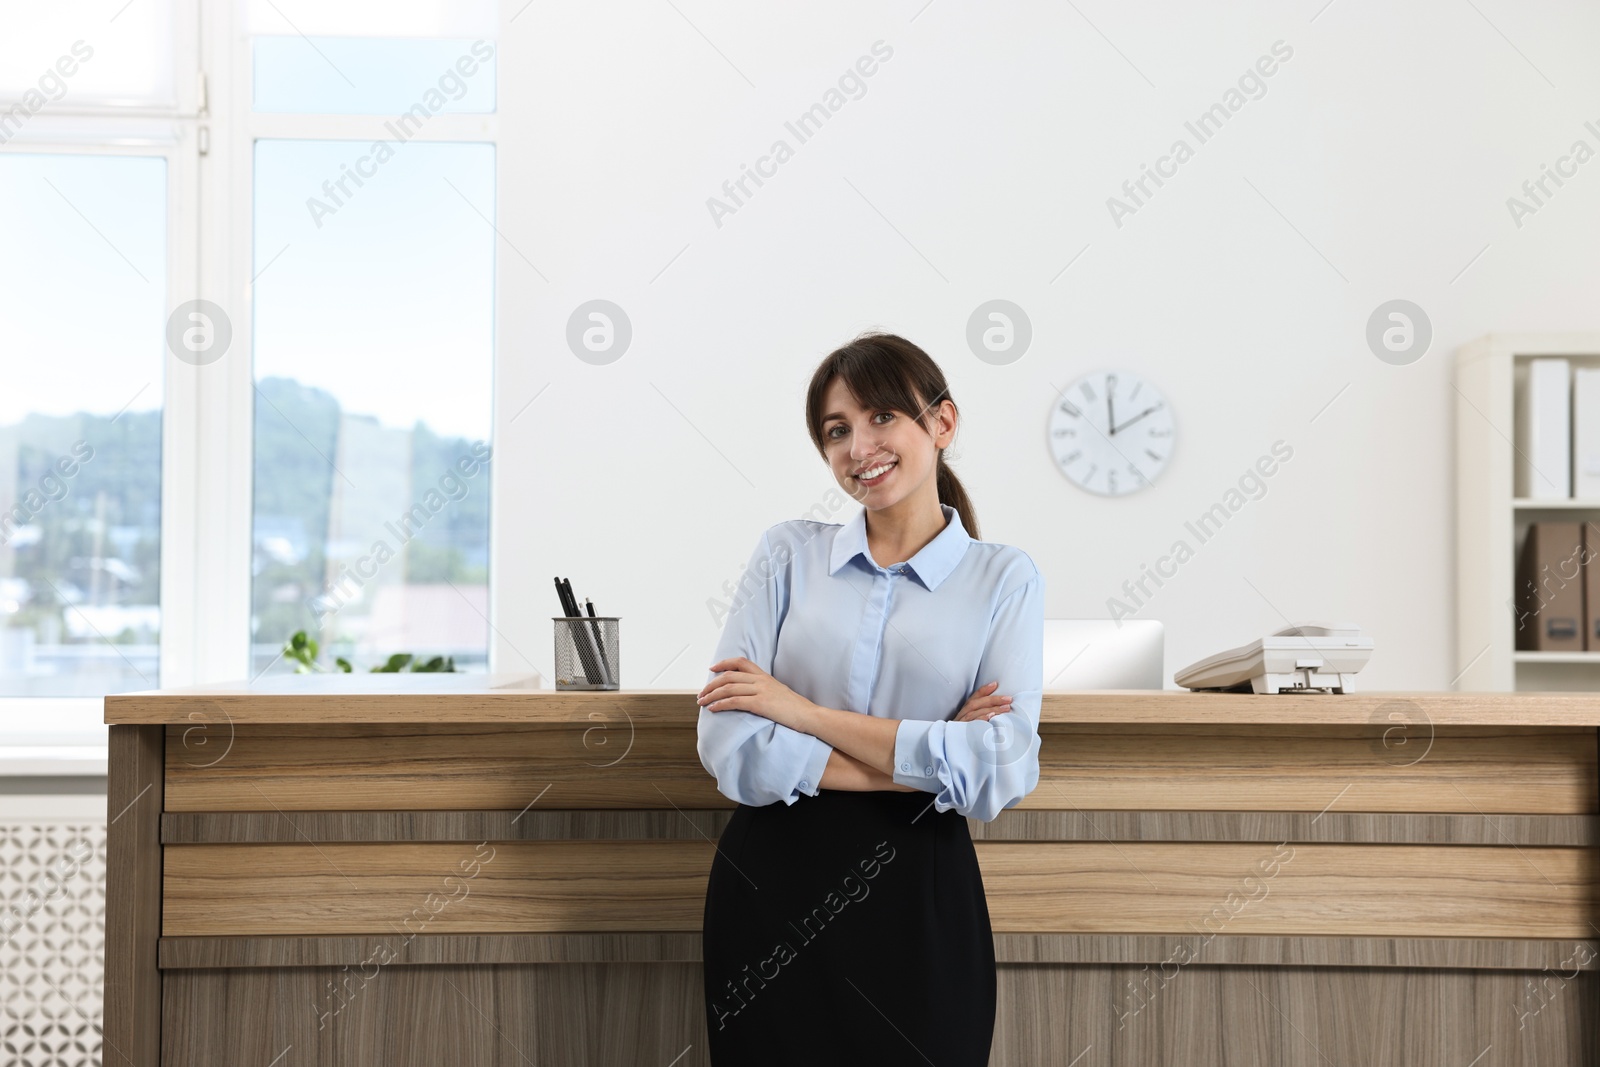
<point>228,655</point>
<point>74,742</point>
<point>208,140</point>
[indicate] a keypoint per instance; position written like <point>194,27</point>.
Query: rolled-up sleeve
<point>981,768</point>
<point>755,760</point>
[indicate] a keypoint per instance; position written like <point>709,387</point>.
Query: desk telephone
<point>1309,656</point>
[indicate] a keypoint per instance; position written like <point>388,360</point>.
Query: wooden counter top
<point>482,698</point>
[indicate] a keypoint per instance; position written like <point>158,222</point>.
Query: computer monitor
<point>1101,654</point>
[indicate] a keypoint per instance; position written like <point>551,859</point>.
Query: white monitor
<point>1101,654</point>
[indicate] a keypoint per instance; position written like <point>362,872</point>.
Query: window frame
<point>75,741</point>
<point>207,452</point>
<point>248,127</point>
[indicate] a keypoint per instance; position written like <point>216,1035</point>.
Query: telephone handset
<point>1301,658</point>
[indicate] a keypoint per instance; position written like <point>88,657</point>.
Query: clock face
<point>1111,432</point>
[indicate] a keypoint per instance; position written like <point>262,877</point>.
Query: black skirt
<point>846,928</point>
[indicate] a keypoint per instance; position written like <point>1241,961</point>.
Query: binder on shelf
<point>1586,433</point>
<point>1591,587</point>
<point>1544,431</point>
<point>1550,614</point>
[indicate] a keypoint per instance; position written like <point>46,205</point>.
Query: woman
<point>845,920</point>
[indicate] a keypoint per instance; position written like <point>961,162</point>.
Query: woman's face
<point>858,441</point>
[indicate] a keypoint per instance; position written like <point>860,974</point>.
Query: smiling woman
<point>884,659</point>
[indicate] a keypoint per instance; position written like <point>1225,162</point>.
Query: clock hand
<point>1135,419</point>
<point>1111,415</point>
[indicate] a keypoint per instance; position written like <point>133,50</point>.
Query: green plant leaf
<point>395,664</point>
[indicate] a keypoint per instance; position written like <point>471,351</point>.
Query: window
<point>80,423</point>
<point>89,56</point>
<point>373,342</point>
<point>373,187</point>
<point>327,184</point>
<point>94,111</point>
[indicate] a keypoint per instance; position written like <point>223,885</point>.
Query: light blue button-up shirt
<point>911,642</point>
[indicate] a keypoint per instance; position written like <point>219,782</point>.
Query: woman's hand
<point>983,704</point>
<point>742,686</point>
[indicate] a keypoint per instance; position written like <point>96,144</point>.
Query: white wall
<point>991,140</point>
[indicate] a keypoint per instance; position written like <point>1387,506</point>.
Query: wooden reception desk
<point>443,871</point>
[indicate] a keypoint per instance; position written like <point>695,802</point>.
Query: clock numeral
<point>1153,456</point>
<point>1088,391</point>
<point>1111,383</point>
<point>1153,432</point>
<point>1111,480</point>
<point>1069,408</point>
<point>1065,431</point>
<point>1072,457</point>
<point>1135,390</point>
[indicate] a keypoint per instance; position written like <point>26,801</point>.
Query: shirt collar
<point>932,564</point>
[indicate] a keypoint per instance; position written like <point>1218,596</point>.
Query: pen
<point>605,664</point>
<point>591,664</point>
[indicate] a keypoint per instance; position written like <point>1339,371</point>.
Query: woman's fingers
<point>984,706</point>
<point>726,678</point>
<point>969,713</point>
<point>724,690</point>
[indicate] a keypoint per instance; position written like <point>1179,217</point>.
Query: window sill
<point>52,760</point>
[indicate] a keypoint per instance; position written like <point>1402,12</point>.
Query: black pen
<point>605,663</point>
<point>591,664</point>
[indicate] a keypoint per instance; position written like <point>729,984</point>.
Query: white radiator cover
<point>52,929</point>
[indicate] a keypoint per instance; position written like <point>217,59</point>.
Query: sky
<point>386,300</point>
<point>388,304</point>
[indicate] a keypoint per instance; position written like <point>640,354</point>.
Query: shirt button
<point>905,766</point>
<point>928,771</point>
<point>805,785</point>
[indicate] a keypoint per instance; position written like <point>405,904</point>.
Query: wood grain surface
<point>602,764</point>
<point>465,698</point>
<point>1220,950</point>
<point>1084,887</point>
<point>653,1015</point>
<point>250,827</point>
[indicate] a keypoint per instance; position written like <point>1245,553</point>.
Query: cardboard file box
<point>1550,614</point>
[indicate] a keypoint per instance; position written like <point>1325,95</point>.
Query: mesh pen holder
<point>588,652</point>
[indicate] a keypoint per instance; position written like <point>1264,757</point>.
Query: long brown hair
<point>885,371</point>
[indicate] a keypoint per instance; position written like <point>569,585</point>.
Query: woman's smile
<point>879,472</point>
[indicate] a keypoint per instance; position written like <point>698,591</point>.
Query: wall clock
<point>1111,432</point>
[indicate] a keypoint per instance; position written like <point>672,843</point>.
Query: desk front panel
<point>564,865</point>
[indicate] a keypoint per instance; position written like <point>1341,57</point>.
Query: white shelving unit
<point>1491,522</point>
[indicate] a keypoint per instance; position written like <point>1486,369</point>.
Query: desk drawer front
<point>217,767</point>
